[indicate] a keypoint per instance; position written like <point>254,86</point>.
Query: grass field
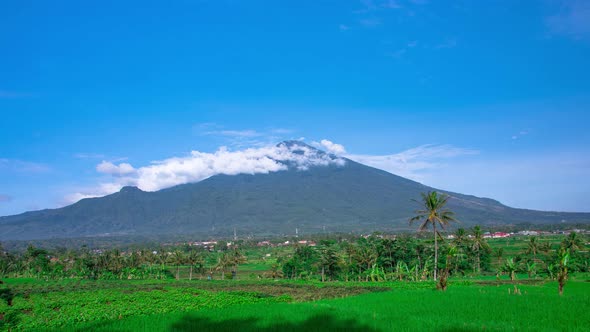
<point>286,306</point>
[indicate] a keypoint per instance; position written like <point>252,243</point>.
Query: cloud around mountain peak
<point>198,166</point>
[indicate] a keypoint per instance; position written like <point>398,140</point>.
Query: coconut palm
<point>572,242</point>
<point>275,272</point>
<point>236,258</point>
<point>533,247</point>
<point>223,262</point>
<point>433,212</point>
<point>498,253</point>
<point>194,258</point>
<point>329,261</point>
<point>461,241</point>
<point>177,259</point>
<point>479,244</point>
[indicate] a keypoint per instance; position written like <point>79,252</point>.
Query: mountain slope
<point>344,197</point>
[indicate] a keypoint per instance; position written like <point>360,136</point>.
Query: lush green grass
<point>37,304</point>
<point>461,308</point>
<point>255,306</point>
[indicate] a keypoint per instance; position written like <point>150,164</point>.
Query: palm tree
<point>479,243</point>
<point>461,241</point>
<point>275,272</point>
<point>223,262</point>
<point>194,258</point>
<point>533,247</point>
<point>329,261</point>
<point>572,242</point>
<point>498,253</point>
<point>236,259</point>
<point>460,237</point>
<point>177,259</point>
<point>433,212</point>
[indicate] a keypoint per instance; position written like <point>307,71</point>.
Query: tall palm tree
<point>194,258</point>
<point>223,261</point>
<point>479,243</point>
<point>433,212</point>
<point>461,241</point>
<point>498,253</point>
<point>533,247</point>
<point>177,259</point>
<point>237,258</point>
<point>572,242</point>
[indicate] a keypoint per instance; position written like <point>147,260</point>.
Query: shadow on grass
<point>320,322</point>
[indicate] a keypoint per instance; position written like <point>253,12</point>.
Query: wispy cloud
<point>21,166</point>
<point>241,138</point>
<point>89,156</point>
<point>571,19</point>
<point>201,165</point>
<point>391,4</point>
<point>448,43</point>
<point>520,134</point>
<point>282,131</point>
<point>368,6</point>
<point>5,198</point>
<point>402,51</point>
<point>413,163</point>
<point>234,133</point>
<point>370,22</point>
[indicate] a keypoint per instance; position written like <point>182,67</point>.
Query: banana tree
<point>510,267</point>
<point>564,257</point>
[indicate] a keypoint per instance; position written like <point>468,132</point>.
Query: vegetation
<point>178,286</point>
<point>433,212</point>
<point>260,306</point>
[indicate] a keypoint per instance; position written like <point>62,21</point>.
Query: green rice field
<point>297,306</point>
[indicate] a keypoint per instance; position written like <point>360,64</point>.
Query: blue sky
<point>491,99</point>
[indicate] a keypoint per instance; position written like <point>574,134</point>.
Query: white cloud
<point>107,167</point>
<point>330,146</point>
<point>201,165</point>
<point>412,163</point>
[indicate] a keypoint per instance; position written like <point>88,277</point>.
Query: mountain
<point>315,190</point>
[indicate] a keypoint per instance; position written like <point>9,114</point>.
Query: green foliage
<point>464,307</point>
<point>434,212</point>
